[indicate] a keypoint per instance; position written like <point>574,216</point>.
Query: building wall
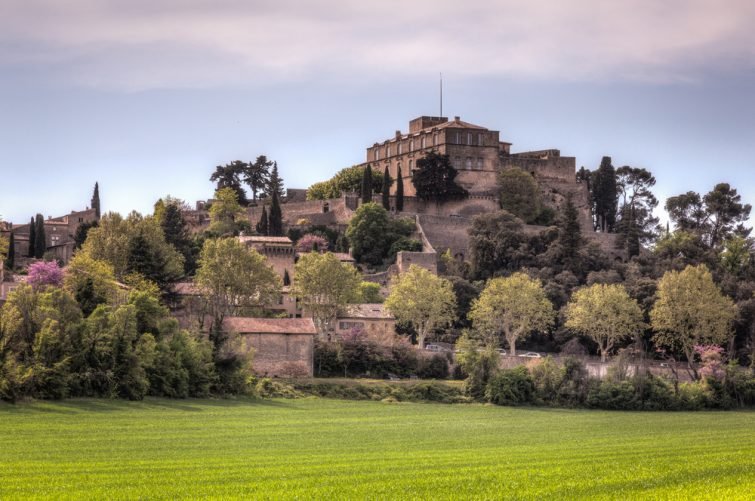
<point>280,355</point>
<point>367,325</point>
<point>426,260</point>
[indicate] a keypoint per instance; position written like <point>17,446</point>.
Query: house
<point>281,346</point>
<point>371,318</point>
<point>279,251</point>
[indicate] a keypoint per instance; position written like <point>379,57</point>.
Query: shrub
<point>433,367</point>
<point>510,387</point>
<point>547,379</point>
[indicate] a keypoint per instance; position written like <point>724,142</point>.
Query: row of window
<point>458,138</point>
<point>469,163</point>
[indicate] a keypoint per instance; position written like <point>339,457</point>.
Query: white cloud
<point>146,44</point>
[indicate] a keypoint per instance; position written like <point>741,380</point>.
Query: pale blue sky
<point>146,97</point>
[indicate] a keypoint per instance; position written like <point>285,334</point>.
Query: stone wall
<point>280,355</point>
<point>426,260</point>
<point>546,167</point>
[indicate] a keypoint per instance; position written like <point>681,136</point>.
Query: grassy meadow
<point>317,448</point>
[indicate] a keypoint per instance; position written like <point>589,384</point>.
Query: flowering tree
<point>711,357</point>
<point>43,273</point>
<point>310,242</point>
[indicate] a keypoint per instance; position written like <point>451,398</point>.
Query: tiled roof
<point>259,239</point>
<point>343,257</point>
<point>367,311</point>
<point>245,325</point>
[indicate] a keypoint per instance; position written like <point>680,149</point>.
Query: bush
<point>510,387</point>
<point>641,392</point>
<point>434,367</point>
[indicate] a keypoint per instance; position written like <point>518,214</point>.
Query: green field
<point>313,448</point>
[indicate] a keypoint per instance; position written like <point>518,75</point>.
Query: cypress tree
<point>399,191</point>
<point>96,200</point>
<point>40,242</point>
<point>275,184</point>
<point>263,228</point>
<point>275,220</point>
<point>386,189</point>
<point>367,185</point>
<point>32,238</point>
<point>604,196</point>
<point>570,234</point>
<point>11,259</point>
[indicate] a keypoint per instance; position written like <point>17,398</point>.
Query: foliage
<point>275,219</point>
<point>606,314</point>
<point>82,231</point>
<point>325,286</point>
<point>513,307</point>
<point>44,273</point>
<point>176,231</point>
<point>510,387</point>
<point>386,190</point>
<point>369,293</point>
<point>226,213</point>
<point>228,177</point>
<point>478,364</point>
<point>348,180</point>
<point>367,184</point>
<point>604,193</point>
<point>690,311</point>
<point>519,194</point>
<point>40,240</point>
<point>371,233</point>
<point>423,300</point>
<point>92,282</point>
<point>263,225</point>
<point>434,179</point>
<point>32,237</point>
<point>399,190</point>
<point>358,353</point>
<point>404,244</point>
<point>495,242</point>
<point>257,175</point>
<point>95,203</point>
<point>636,224</point>
<point>312,242</point>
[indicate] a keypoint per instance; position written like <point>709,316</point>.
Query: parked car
<point>436,347</point>
<point>529,354</point>
<point>501,351</point>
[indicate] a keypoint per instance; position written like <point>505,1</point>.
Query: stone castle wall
<point>280,355</point>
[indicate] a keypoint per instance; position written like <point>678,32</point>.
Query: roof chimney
<point>456,119</point>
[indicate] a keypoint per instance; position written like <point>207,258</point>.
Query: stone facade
<point>59,233</point>
<point>369,318</point>
<point>280,347</point>
<point>279,251</point>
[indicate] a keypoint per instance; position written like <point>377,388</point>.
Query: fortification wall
<point>426,260</point>
<point>556,168</point>
<point>446,233</point>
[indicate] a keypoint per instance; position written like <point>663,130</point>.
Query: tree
<point>32,237</point>
<point>570,233</point>
<point>325,286</point>
<point>91,282</point>
<point>513,306</point>
<point>423,300</point>
<point>40,240</point>
<point>177,233</point>
<point>399,191</point>
<point>367,232</point>
<point>519,194</point>
<point>604,196</point>
<point>229,176</point>
<point>312,242</point>
<point>263,227</point>
<point>225,212</point>
<point>636,223</point>
<point>44,273</point>
<point>257,175</point>
<point>690,311</point>
<point>348,180</point>
<point>494,243</point>
<point>232,277</point>
<point>10,260</point>
<point>434,179</point>
<point>96,200</point>
<point>275,220</point>
<point>81,233</point>
<point>274,183</point>
<point>606,314</point>
<point>386,191</point>
<point>367,187</point>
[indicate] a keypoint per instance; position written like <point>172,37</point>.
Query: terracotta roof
<point>344,257</point>
<point>258,239</point>
<point>245,325</point>
<point>366,311</point>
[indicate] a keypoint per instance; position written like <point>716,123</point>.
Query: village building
<point>370,318</point>
<point>281,347</point>
<point>279,251</point>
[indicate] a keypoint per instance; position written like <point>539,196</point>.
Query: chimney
<point>398,134</point>
<point>456,119</point>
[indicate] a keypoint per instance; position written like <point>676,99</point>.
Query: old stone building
<point>281,346</point>
<point>279,251</point>
<point>368,318</point>
<point>60,234</point>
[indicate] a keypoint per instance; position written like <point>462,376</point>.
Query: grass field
<point>340,449</point>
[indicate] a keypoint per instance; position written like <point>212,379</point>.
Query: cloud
<point>153,44</point>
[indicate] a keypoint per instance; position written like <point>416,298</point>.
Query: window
<point>411,145</point>
<point>377,154</point>
<point>422,142</point>
<point>350,325</point>
<point>457,163</point>
<point>411,165</point>
<point>387,150</point>
<point>469,138</point>
<point>457,137</point>
<point>400,149</point>
<point>479,163</point>
<point>435,139</point>
<point>480,139</point>
<point>469,163</point>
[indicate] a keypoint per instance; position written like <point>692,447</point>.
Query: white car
<point>530,354</point>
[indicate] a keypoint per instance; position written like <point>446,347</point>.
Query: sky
<point>146,97</point>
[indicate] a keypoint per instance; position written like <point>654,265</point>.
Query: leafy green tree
<point>606,314</point>
<point>90,281</point>
<point>229,176</point>
<point>325,286</point>
<point>367,232</point>
<point>495,240</point>
<point>434,179</point>
<point>348,180</point>
<point>386,191</point>
<point>479,364</point>
<point>519,194</point>
<point>226,213</point>
<point>399,191</point>
<point>690,311</point>
<point>82,231</point>
<point>257,175</point>
<point>513,306</point>
<point>604,196</point>
<point>32,237</point>
<point>96,200</point>
<point>423,300</point>
<point>369,292</point>
<point>232,277</point>
<point>275,220</point>
<point>636,223</point>
<point>177,233</point>
<point>40,240</point>
<point>263,227</point>
<point>737,255</point>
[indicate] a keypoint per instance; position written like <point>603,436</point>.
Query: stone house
<point>279,251</point>
<point>371,318</point>
<point>60,233</point>
<point>282,347</point>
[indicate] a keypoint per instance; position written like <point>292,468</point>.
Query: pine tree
<point>11,259</point>
<point>263,227</point>
<point>399,191</point>
<point>386,189</point>
<point>275,220</point>
<point>40,242</point>
<point>367,185</point>
<point>32,237</point>
<point>96,200</point>
<point>275,184</point>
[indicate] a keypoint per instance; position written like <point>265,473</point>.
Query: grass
<point>316,448</point>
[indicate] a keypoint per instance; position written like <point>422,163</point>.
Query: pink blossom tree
<point>312,242</point>
<point>44,273</point>
<point>711,357</point>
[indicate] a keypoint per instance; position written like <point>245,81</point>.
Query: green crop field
<point>310,448</point>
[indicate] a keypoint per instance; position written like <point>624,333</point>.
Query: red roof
<point>245,325</point>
